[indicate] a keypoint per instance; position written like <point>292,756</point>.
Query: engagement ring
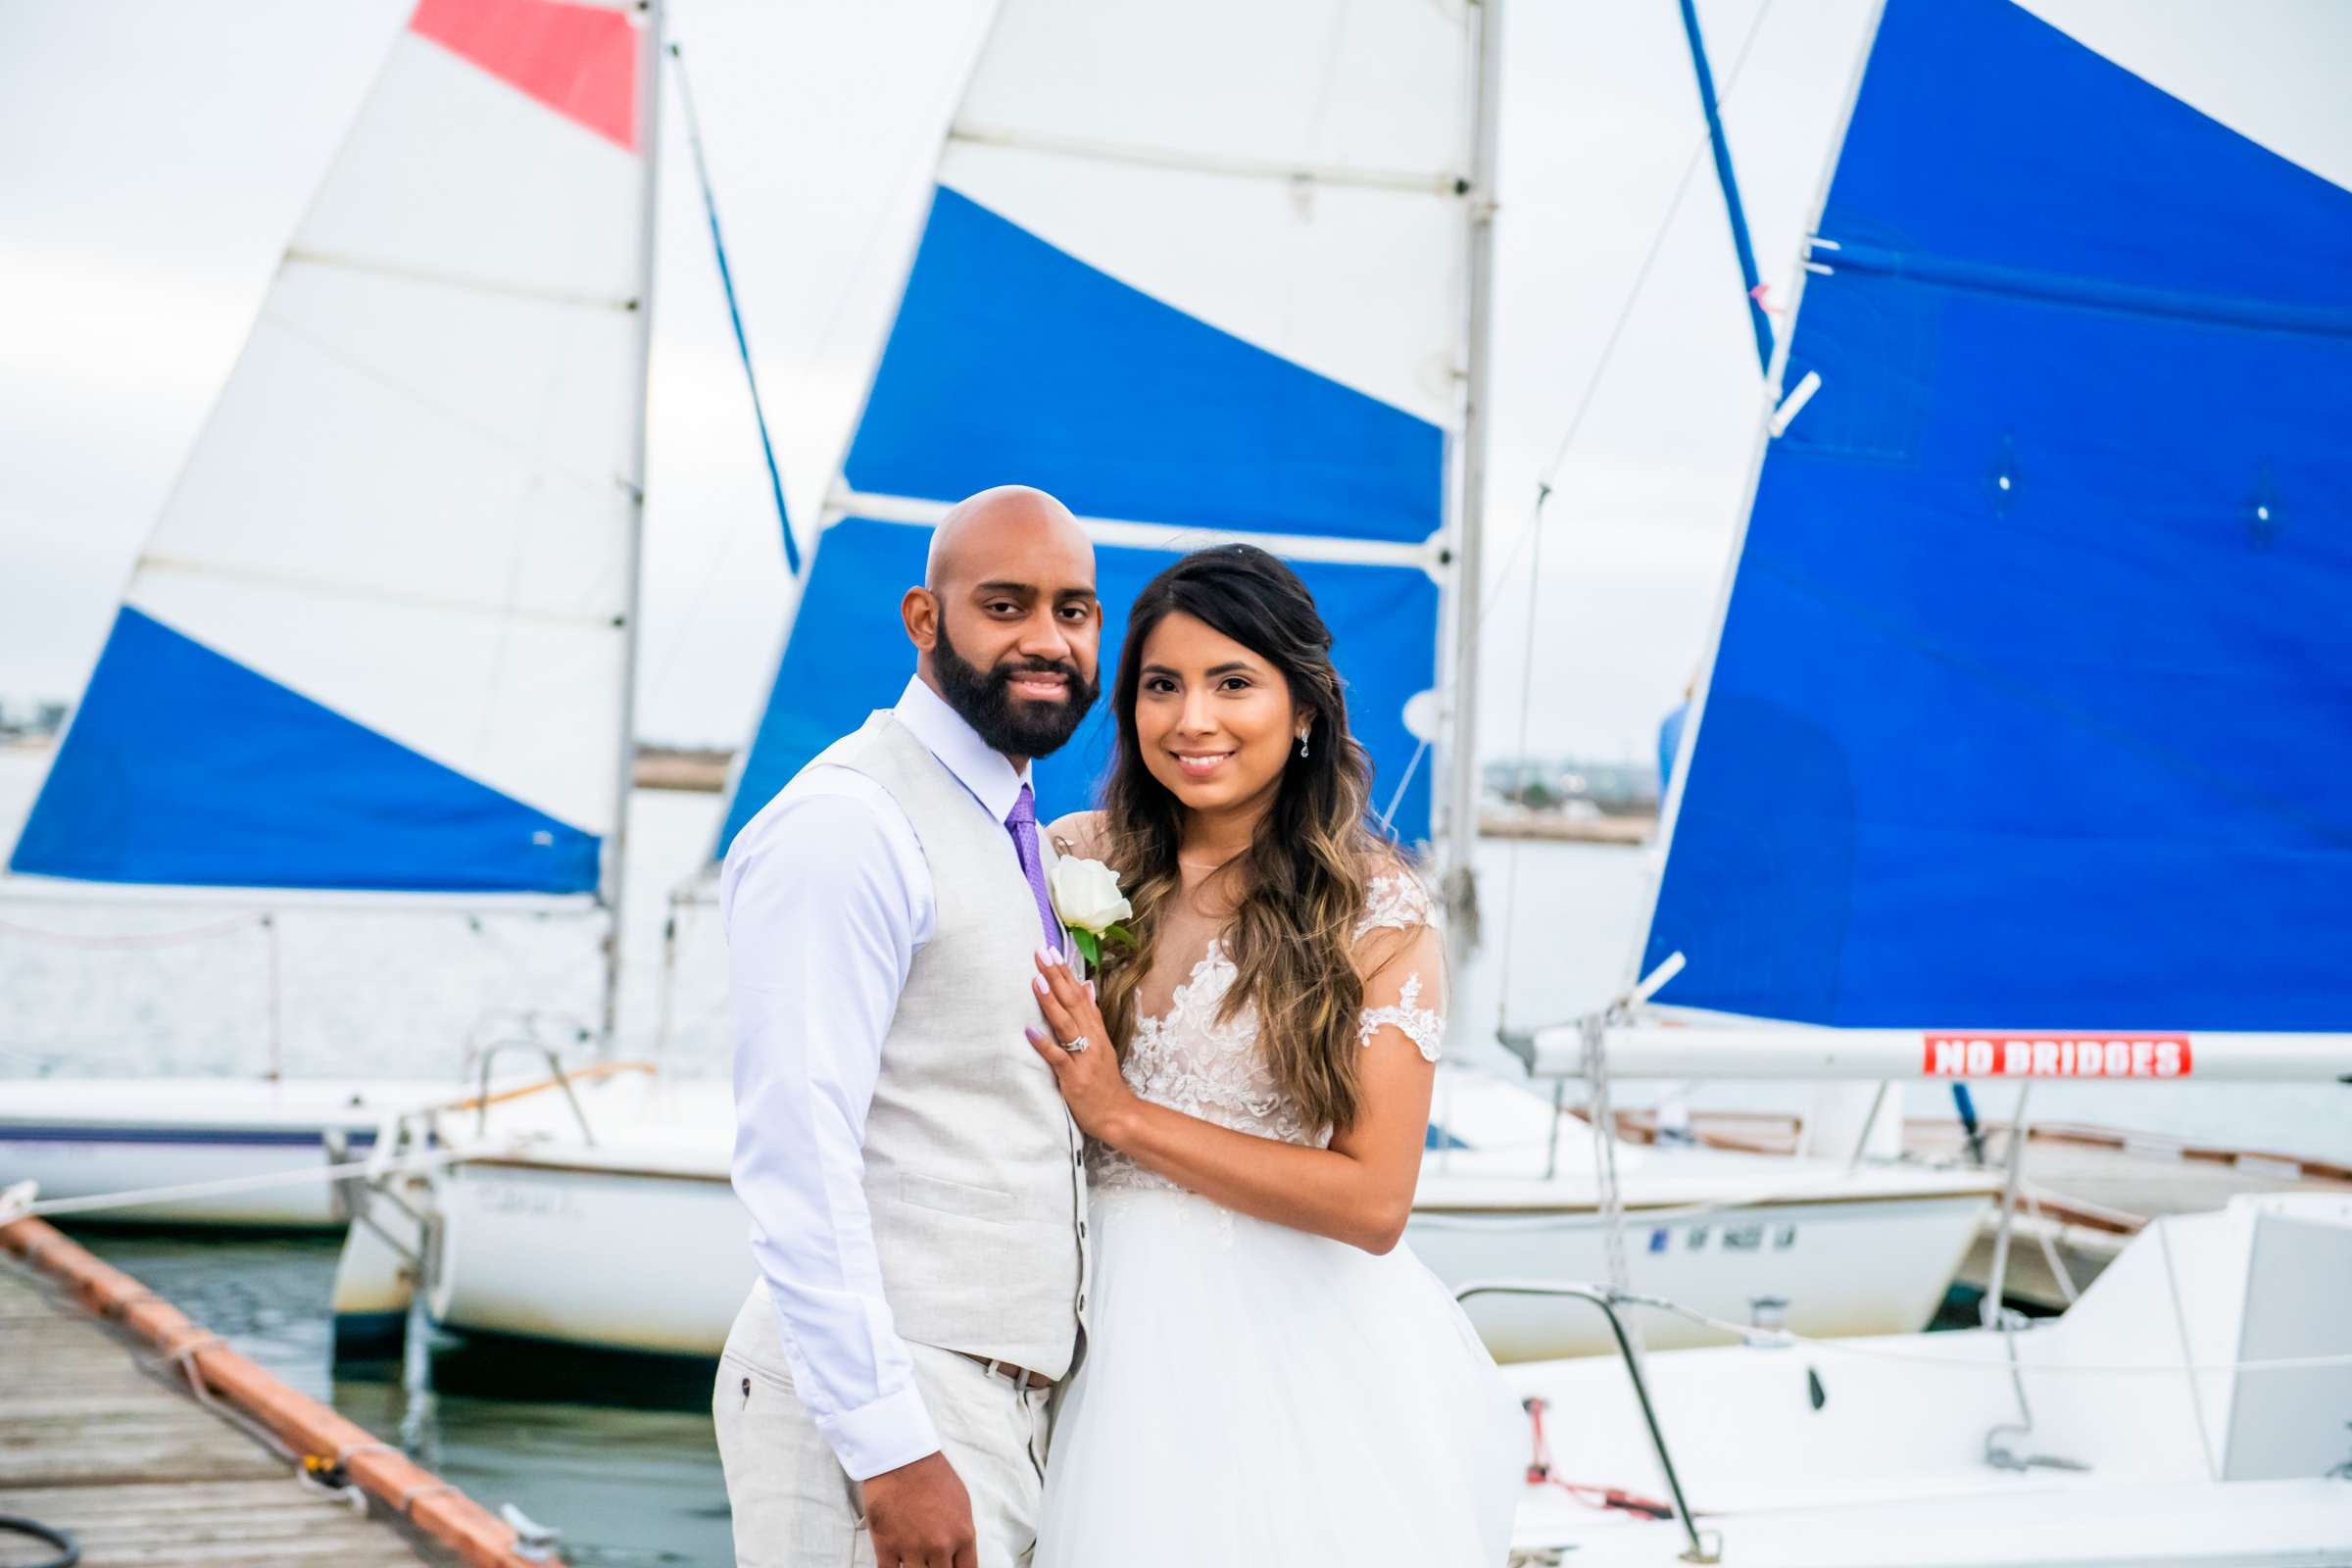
<point>1079,1043</point>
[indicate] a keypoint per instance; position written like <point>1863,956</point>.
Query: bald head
<point>1006,626</point>
<point>1017,518</point>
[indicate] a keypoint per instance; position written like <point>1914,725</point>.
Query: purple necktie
<point>1022,825</point>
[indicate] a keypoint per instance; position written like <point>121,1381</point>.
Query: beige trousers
<point>794,1508</point>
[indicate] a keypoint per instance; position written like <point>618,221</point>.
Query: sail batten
<point>1441,182</point>
<point>917,513</point>
<point>461,281</point>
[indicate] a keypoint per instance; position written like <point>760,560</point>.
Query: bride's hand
<point>1097,1096</point>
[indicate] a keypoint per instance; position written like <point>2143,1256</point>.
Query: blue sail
<point>2033,702</point>
<point>187,769</point>
<point>1014,360</point>
<point>1122,405</point>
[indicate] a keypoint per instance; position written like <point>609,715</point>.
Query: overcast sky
<point>155,155</point>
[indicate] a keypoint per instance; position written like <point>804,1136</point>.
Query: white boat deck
<point>2305,1523</point>
<point>1875,1451</point>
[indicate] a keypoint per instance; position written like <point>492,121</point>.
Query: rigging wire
<point>1529,533</point>
<point>727,281</point>
<point>1632,297</point>
<point>886,217</point>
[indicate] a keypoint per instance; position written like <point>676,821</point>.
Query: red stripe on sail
<point>580,61</point>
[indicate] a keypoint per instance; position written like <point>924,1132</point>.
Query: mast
<point>1460,809</point>
<point>615,882</point>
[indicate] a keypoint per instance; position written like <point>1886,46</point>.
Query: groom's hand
<point>920,1516</point>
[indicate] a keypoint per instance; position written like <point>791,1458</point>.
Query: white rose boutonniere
<point>1087,900</point>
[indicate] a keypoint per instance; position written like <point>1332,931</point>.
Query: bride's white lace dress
<point>1253,1394</point>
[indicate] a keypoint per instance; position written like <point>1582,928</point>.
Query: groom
<point>916,1186</point>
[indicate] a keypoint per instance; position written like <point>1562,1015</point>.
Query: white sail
<point>377,638</point>
<point>1204,272</point>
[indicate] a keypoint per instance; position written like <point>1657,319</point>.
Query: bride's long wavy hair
<point>1302,878</point>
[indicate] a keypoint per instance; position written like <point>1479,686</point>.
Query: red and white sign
<point>2056,1056</point>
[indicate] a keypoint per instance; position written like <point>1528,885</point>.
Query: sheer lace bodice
<point>1187,1059</point>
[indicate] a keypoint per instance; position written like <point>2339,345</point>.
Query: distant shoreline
<point>1559,826</point>
<point>694,769</point>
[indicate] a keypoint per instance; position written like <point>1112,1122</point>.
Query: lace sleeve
<point>1395,901</point>
<point>1405,986</point>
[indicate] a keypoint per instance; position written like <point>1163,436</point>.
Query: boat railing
<point>557,1078</point>
<point>1700,1550</point>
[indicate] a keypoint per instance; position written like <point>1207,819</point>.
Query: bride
<point>1270,1376</point>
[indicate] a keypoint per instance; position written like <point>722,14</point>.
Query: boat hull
<point>509,1227</point>
<point>1836,1267</point>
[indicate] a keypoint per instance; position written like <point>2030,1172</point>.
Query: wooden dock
<point>101,1438</point>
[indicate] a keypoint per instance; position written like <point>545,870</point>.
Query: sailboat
<point>1146,282</point>
<point>2020,758</point>
<point>377,651</point>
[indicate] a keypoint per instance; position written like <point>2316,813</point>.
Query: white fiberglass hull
<point>1835,1267</point>
<point>575,1253</point>
<point>637,1243</point>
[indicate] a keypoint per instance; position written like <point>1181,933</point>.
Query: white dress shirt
<point>827,899</point>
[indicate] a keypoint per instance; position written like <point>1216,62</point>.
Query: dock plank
<point>139,1472</point>
<point>218,1522</point>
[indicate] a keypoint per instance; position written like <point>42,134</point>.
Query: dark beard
<point>1013,726</point>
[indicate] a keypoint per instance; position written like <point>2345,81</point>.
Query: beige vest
<point>974,1171</point>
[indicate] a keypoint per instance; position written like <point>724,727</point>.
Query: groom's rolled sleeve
<point>821,927</point>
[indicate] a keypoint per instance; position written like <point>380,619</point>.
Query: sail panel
<point>185,762</point>
<point>1359,86</point>
<point>578,59</point>
<point>410,508</point>
<point>1201,273</point>
<point>851,602</point>
<point>2028,707</point>
<point>1012,359</point>
<point>454,173</point>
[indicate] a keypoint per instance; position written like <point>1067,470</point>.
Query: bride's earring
<point>1302,743</point>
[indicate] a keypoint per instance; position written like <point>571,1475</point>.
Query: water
<point>628,1471</point>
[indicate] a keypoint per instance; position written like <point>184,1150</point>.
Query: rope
<point>1604,1159</point>
<point>1539,1473</point>
<point>431,1489</point>
<point>69,1553</point>
<point>16,1202</point>
<point>315,1478</point>
<point>727,281</point>
<point>181,1357</point>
